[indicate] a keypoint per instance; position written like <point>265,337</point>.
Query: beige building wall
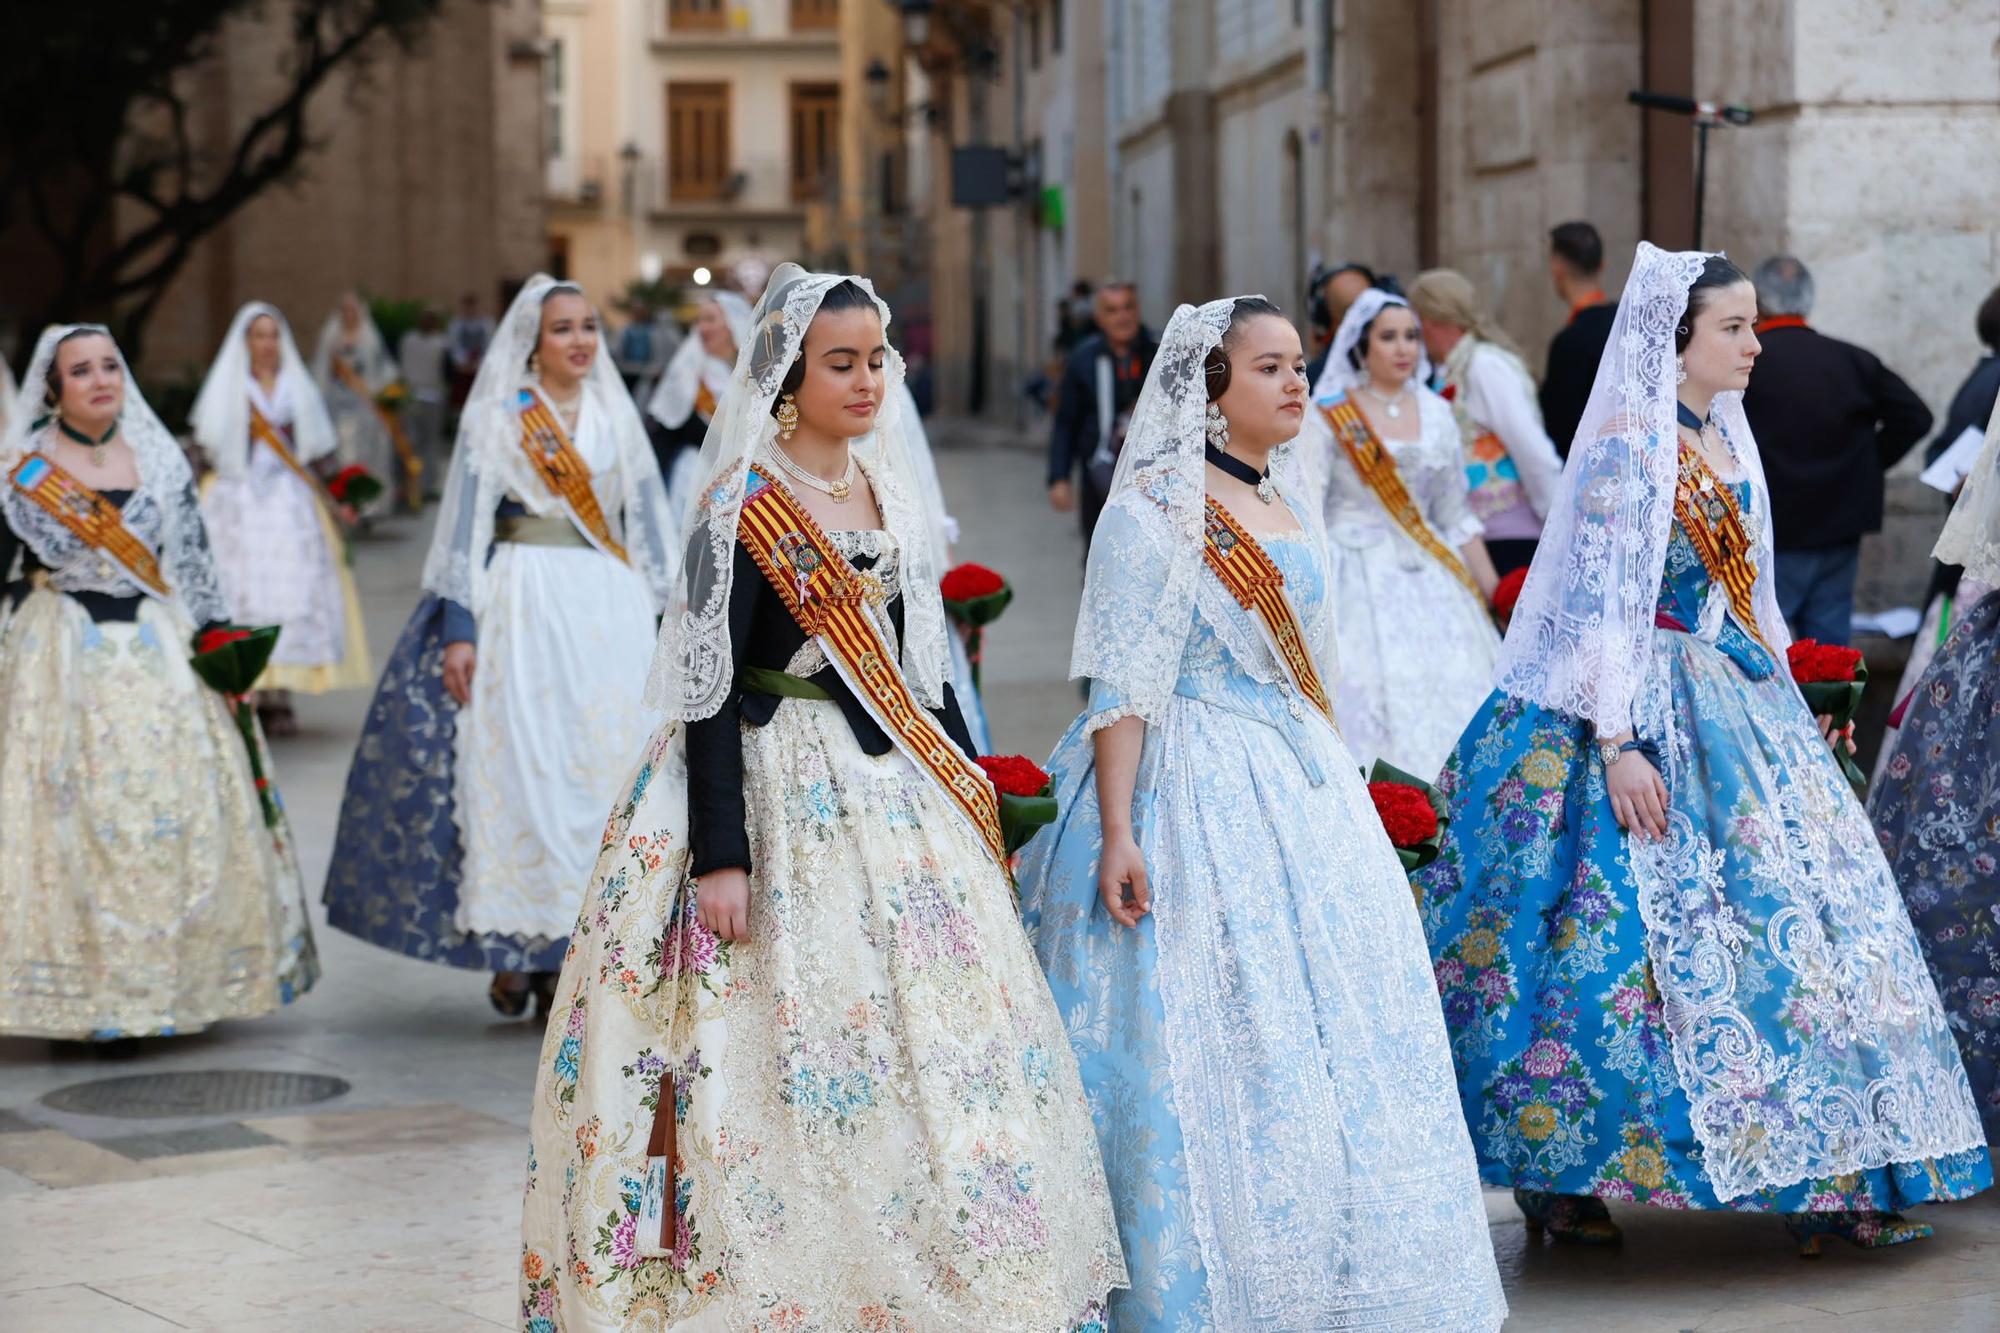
<point>592,57</point>
<point>428,182</point>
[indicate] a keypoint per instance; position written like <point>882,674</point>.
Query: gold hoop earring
<point>788,416</point>
<point>535,362</point>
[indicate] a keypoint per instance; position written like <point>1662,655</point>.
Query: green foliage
<point>656,296</point>
<point>394,318</point>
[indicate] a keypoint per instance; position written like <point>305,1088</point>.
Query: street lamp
<point>877,78</point>
<point>916,20</point>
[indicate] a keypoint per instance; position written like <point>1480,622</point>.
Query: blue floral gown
<point>1263,1054</point>
<point>1937,810</point>
<point>1734,1017</point>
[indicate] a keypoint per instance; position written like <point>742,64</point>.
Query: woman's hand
<point>459,660</point>
<point>1836,736</point>
<point>722,899</point>
<point>1121,879</point>
<point>1638,796</point>
<point>349,515</point>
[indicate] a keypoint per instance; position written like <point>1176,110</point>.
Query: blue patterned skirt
<point>394,880</point>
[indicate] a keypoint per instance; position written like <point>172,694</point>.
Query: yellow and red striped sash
<point>1707,511</point>
<point>704,401</point>
<point>564,472</point>
<point>265,432</point>
<point>406,453</point>
<point>824,594</point>
<point>90,517</point>
<point>1377,468</point>
<point>1258,586</point>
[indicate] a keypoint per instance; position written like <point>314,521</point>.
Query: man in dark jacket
<point>1100,383</point>
<point>1829,419</point>
<point>1576,266</point>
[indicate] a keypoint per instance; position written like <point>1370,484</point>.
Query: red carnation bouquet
<point>354,485</point>
<point>1027,796</point>
<point>229,658</point>
<point>975,596</point>
<point>1832,678</point>
<point>1412,813</point>
<point>1506,593</point>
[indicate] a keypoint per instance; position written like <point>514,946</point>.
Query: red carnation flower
<point>1405,811</point>
<point>219,638</point>
<point>1812,661</point>
<point>1014,774</point>
<point>1507,592</point>
<point>1448,392</point>
<point>967,582</point>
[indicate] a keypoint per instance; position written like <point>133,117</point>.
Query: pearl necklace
<point>839,488</point>
<point>1393,404</point>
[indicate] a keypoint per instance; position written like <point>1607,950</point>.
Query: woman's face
<point>1724,345</point>
<point>1394,346</point>
<point>1266,398</point>
<point>713,326</point>
<point>265,345</point>
<point>350,312</point>
<point>569,339</point>
<point>841,391</point>
<point>92,382</point>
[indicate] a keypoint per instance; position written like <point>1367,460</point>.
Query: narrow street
<point>394,1205</point>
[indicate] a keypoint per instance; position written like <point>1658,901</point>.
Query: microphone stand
<point>1706,116</point>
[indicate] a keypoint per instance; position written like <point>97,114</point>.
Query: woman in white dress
<point>277,532</point>
<point>146,887</point>
<point>804,1072</point>
<point>353,366</point>
<point>1410,577</point>
<point>684,400</point>
<point>504,719</point>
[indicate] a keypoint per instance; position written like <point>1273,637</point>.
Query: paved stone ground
<point>395,1206</point>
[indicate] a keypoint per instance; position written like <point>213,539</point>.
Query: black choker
<point>1685,415</point>
<point>1243,472</point>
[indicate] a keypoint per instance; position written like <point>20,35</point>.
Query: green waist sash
<point>538,530</point>
<point>764,680</point>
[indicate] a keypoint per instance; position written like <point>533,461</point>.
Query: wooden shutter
<point>815,15</point>
<point>815,138</point>
<point>697,140</point>
<point>697,15</point>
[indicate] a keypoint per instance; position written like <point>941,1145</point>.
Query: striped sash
<point>406,453</point>
<point>1377,468</point>
<point>564,472</point>
<point>1707,511</point>
<point>91,518</point>
<point>266,433</point>
<point>824,593</point>
<point>1258,586</point>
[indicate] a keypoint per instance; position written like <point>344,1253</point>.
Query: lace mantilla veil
<point>185,558</point>
<point>488,463</point>
<point>1971,536</point>
<point>1339,373</point>
<point>673,398</point>
<point>1581,637</point>
<point>221,416</point>
<point>693,667</point>
<point>1146,566</point>
<point>377,366</point>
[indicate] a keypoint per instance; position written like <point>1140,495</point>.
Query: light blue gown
<point>1264,1055</point>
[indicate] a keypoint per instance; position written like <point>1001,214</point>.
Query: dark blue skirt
<point>396,856</point>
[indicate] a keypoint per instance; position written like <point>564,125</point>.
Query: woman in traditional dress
<point>803,1071</point>
<point>684,400</point>
<point>1936,805</point>
<point>1410,577</point>
<point>1674,962</point>
<point>504,719</point>
<point>353,368</point>
<point>143,888</point>
<point>1510,464</point>
<point>1223,921</point>
<point>277,532</point>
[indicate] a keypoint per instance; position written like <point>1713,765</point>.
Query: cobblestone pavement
<point>395,1205</point>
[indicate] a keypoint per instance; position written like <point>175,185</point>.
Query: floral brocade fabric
<point>1734,1016</point>
<point>1936,807</point>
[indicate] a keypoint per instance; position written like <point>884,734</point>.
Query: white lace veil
<point>221,416</point>
<point>488,464</point>
<point>1339,374</point>
<point>673,398</point>
<point>1140,585</point>
<point>1581,636</point>
<point>694,665</point>
<point>1971,536</point>
<point>376,367</point>
<point>185,558</point>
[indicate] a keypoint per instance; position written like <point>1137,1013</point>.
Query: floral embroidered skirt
<point>1937,809</point>
<point>878,1121</point>
<point>1733,1017</point>
<point>140,891</point>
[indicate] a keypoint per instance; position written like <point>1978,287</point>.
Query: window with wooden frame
<point>815,139</point>
<point>697,15</point>
<point>697,141</point>
<point>815,15</point>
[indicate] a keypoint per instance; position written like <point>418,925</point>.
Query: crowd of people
<point>680,746</point>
